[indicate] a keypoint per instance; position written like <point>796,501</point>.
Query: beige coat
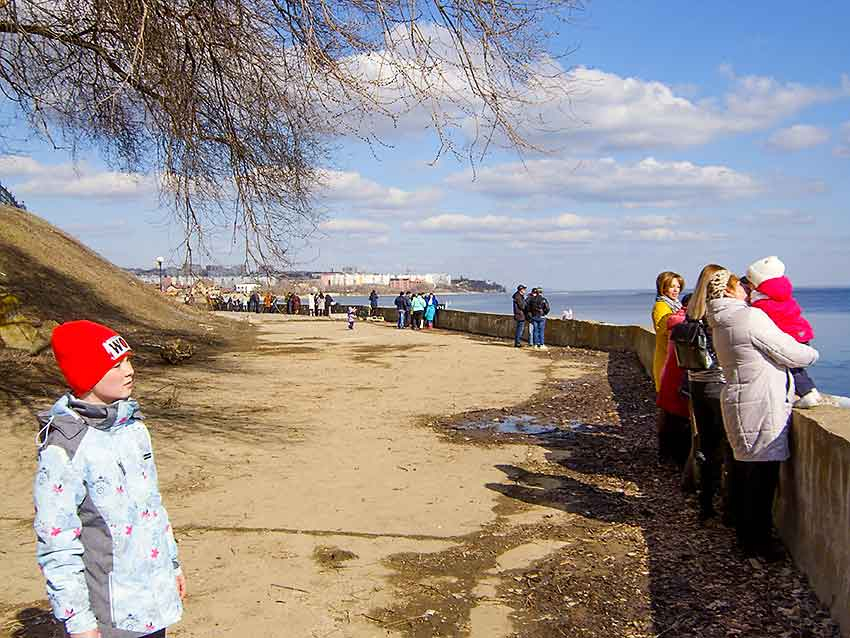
<point>755,356</point>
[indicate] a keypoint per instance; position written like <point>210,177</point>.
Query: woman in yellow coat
<point>668,285</point>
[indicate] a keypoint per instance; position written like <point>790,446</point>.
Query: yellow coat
<point>660,314</point>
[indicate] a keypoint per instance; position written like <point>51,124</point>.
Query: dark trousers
<point>713,452</point>
<point>802,381</point>
<point>755,487</point>
<point>417,319</point>
<point>520,326</point>
<point>674,437</point>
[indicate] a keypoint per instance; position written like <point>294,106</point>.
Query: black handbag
<point>691,346</point>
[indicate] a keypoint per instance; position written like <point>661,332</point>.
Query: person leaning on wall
<point>757,358</point>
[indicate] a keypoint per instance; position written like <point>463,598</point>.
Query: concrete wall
<point>813,503</point>
<point>813,509</point>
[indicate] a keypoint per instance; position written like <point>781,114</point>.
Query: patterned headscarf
<point>716,287</point>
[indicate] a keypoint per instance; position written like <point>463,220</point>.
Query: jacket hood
<point>778,288</point>
<point>69,415</point>
<point>721,312</point>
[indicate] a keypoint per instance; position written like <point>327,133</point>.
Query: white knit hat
<point>764,269</point>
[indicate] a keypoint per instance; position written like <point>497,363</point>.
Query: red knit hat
<point>85,351</point>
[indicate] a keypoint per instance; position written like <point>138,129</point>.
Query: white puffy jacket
<point>757,399</point>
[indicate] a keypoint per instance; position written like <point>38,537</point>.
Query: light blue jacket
<point>105,544</point>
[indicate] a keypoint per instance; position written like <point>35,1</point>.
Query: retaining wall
<point>812,511</point>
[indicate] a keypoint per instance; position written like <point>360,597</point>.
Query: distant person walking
<point>401,307</point>
<point>352,315</point>
<point>538,308</point>
<point>309,301</point>
<point>431,304</point>
<point>519,316</point>
<point>373,302</point>
<point>329,302</point>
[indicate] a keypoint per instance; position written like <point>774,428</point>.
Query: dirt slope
<point>53,277</point>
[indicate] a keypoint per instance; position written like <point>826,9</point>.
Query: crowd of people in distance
<point>729,360</point>
<point>415,309</point>
<point>317,304</point>
<point>531,310</point>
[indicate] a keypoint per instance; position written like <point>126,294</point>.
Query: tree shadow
<point>34,622</point>
<point>699,583</point>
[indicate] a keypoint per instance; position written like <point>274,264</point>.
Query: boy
<point>105,545</point>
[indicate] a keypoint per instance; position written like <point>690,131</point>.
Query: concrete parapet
<point>813,507</point>
<point>813,503</point>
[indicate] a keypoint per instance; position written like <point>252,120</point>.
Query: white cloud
<point>358,226</point>
<point>669,235</point>
<point>18,166</point>
<point>779,217</point>
<point>843,148</point>
<point>798,137</point>
<point>366,195</point>
<point>605,111</point>
<point>648,182</point>
<point>652,221</point>
<point>581,109</point>
<point>501,224</point>
<point>71,180</point>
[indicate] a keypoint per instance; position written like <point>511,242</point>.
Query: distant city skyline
<point>688,134</point>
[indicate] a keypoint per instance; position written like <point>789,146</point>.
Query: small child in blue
<point>352,315</point>
<point>105,544</point>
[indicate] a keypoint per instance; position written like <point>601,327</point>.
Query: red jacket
<point>774,297</point>
<point>669,398</point>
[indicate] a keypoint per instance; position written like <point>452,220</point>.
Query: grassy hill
<point>51,277</point>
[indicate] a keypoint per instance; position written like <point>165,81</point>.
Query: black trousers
<point>714,455</point>
<point>755,483</point>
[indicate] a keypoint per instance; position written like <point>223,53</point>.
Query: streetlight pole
<point>159,261</point>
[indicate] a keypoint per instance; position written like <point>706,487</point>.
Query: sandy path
<point>314,440</point>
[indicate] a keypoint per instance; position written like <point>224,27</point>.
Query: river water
<point>827,309</point>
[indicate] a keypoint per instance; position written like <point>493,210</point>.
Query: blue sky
<point>696,133</point>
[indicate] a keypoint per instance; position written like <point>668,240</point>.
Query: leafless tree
<point>232,103</point>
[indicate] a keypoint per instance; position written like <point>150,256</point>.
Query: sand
<point>316,439</point>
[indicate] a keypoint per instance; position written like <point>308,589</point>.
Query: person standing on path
<point>408,307</point>
<point>417,305</point>
<point>519,316</point>
<point>538,308</point>
<point>710,448</point>
<point>757,358</point>
<point>431,303</point>
<point>668,285</point>
<point>373,302</point>
<point>105,544</point>
<point>401,308</point>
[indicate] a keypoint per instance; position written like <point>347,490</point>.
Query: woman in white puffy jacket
<point>756,357</point>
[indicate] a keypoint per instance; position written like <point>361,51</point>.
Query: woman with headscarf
<point>757,358</point>
<point>668,285</point>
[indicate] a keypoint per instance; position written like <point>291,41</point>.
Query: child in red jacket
<point>772,293</point>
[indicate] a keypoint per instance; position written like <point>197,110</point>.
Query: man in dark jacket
<point>537,309</point>
<point>519,315</point>
<point>373,302</point>
<point>401,306</point>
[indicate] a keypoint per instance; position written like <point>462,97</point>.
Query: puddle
<point>523,424</point>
